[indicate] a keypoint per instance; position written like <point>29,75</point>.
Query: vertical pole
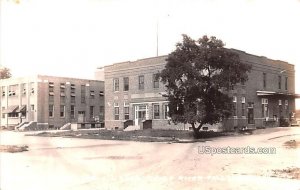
<point>157,37</point>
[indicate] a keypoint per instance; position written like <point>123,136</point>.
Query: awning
<point>10,109</point>
<point>22,109</point>
<point>272,93</point>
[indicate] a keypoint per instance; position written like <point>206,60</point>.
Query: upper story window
<point>73,88</point>
<point>141,82</point>
<point>156,80</point>
<point>265,80</point>
<point>279,82</point>
<point>116,84</point>
<point>3,91</point>
<point>51,86</point>
<point>92,94</point>
<point>126,83</point>
<point>82,93</point>
<point>286,83</point>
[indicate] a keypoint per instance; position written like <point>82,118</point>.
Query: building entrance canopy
<point>10,109</point>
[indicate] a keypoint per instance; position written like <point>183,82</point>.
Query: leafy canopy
<point>4,73</point>
<point>197,76</point>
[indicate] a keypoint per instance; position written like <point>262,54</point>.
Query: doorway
<point>140,114</point>
<point>250,115</point>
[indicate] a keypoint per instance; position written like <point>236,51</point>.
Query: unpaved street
<point>71,163</point>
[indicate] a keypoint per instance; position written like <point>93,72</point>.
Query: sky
<point>72,38</point>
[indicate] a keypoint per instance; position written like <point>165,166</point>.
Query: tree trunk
<point>196,130</point>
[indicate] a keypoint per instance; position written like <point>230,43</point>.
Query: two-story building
<point>134,95</point>
<point>50,102</point>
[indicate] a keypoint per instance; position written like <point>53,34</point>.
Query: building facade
<point>50,102</point>
<point>134,95</point>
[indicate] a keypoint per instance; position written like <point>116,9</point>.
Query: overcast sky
<point>73,37</point>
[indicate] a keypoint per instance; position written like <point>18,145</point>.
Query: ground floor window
<point>91,111</point>
<point>62,111</point>
<point>234,106</point>
<point>243,106</point>
<point>101,112</point>
<point>14,114</point>
<point>166,111</point>
<point>126,113</point>
<point>72,111</point>
<point>116,113</point>
<point>264,107</point>
<point>51,110</point>
<point>156,111</point>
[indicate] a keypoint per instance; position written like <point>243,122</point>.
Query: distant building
<point>50,102</point>
<point>134,96</point>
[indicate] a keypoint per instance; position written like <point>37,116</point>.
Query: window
<point>62,111</point>
<point>243,100</point>
<point>72,111</point>
<point>279,82</point>
<point>286,106</point>
<point>32,88</point>
<point>126,83</point>
<point>286,83</point>
<point>73,88</point>
<point>166,111</point>
<point>14,114</point>
<point>141,82</point>
<point>91,111</point>
<point>126,113</point>
<point>156,111</point>
<point>73,99</point>
<point>62,100</point>
<point>156,80</point>
<point>116,84</point>
<point>82,94</point>
<point>265,80</point>
<point>51,98</point>
<point>280,107</point>
<point>116,111</point>
<point>62,85</point>
<point>101,112</point>
<point>51,87</point>
<point>92,94</point>
<point>264,107</point>
<point>62,89</point>
<point>234,105</point>
<point>23,87</point>
<point>3,115</point>
<point>51,110</point>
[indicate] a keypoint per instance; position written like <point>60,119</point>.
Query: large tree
<point>198,75</point>
<point>4,73</point>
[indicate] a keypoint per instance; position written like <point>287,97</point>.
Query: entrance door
<point>140,114</point>
<point>250,116</point>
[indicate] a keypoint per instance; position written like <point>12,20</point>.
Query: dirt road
<point>71,163</point>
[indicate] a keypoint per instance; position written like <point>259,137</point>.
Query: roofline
<point>133,61</point>
<point>39,75</point>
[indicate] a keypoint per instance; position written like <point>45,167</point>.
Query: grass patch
<point>148,135</point>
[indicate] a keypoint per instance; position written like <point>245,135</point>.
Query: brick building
<point>134,97</point>
<point>50,102</point>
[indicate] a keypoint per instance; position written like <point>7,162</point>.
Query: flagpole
<point>157,37</point>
